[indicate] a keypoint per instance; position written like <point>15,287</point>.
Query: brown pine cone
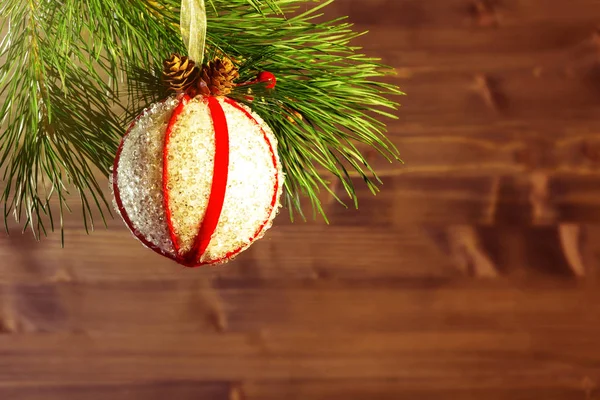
<point>180,73</point>
<point>217,76</point>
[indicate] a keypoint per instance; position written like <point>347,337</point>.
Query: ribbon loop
<point>192,22</point>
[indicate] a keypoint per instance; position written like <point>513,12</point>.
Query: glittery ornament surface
<point>140,185</point>
<point>191,152</point>
<point>254,180</point>
<point>250,185</point>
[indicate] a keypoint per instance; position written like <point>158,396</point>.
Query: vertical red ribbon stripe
<point>216,199</point>
<point>219,182</point>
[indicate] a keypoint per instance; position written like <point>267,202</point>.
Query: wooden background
<point>473,275</point>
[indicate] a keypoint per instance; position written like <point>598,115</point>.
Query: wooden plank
<point>299,252</point>
<point>193,306</point>
<point>273,344</point>
<point>159,390</point>
<point>455,361</point>
<point>502,147</point>
<point>530,199</point>
<point>346,389</point>
<point>118,369</point>
<point>410,199</point>
<point>463,35</point>
<point>450,13</point>
<point>401,389</point>
<point>45,369</point>
<point>459,99</point>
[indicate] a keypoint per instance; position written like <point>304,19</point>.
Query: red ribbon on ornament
<point>219,182</point>
<point>165,178</point>
<point>218,186</point>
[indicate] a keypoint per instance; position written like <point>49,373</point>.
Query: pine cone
<point>179,72</point>
<point>217,76</point>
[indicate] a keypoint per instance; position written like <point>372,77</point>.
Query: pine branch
<point>75,71</point>
<point>321,77</point>
<point>61,76</point>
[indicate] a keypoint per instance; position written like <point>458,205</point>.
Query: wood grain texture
<point>473,274</point>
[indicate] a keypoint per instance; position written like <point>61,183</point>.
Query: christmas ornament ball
<point>198,180</point>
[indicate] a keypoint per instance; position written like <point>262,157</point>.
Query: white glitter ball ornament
<point>198,180</point>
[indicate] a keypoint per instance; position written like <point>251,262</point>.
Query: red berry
<point>266,76</point>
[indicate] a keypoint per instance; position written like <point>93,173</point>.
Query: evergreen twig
<point>64,65</point>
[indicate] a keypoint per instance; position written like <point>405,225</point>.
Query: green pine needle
<point>73,72</point>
